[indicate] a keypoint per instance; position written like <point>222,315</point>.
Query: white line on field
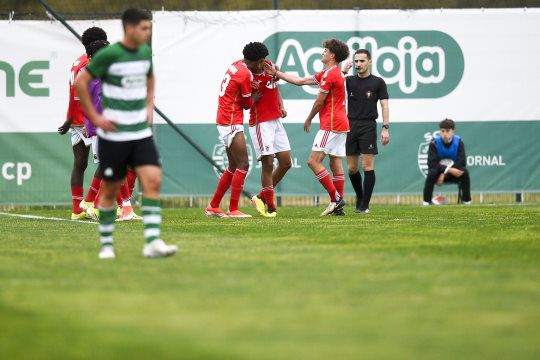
<point>45,218</point>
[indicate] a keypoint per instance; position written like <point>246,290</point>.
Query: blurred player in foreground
<point>447,163</point>
<point>124,130</point>
<point>90,203</point>
<point>269,140</point>
<point>334,125</point>
<point>75,123</point>
<point>235,95</point>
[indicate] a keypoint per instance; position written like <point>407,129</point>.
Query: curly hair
<point>95,46</point>
<point>92,34</point>
<point>338,48</point>
<point>255,51</point>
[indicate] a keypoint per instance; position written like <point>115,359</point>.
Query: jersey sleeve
<point>327,82</point>
<point>383,91</point>
<point>100,63</point>
<point>245,84</point>
<point>318,77</point>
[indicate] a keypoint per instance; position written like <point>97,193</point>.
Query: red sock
<point>92,190</point>
<point>237,185</point>
<point>325,180</point>
<point>76,197</point>
<point>339,183</point>
<point>222,187</point>
<point>261,195</point>
<point>119,196</point>
<point>131,178</point>
<point>125,195</point>
<point>98,195</point>
<point>269,196</point>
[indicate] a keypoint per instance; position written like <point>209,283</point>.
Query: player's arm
<point>151,81</point>
<point>81,86</point>
<point>459,166</point>
<point>281,106</point>
<point>317,106</point>
<point>385,134</point>
<point>64,128</point>
<point>248,98</point>
<point>292,79</point>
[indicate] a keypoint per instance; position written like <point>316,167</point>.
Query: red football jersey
<point>236,85</point>
<point>267,108</point>
<point>75,111</point>
<point>333,115</point>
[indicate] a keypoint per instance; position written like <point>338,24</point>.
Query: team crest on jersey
<point>368,94</point>
<point>423,149</point>
<point>219,155</point>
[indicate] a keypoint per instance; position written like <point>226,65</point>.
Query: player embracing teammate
<point>269,140</point>
<point>334,124</point>
<point>235,95</point>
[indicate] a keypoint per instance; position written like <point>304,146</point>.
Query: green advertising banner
<point>502,156</point>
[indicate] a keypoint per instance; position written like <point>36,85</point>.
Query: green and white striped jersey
<point>123,73</point>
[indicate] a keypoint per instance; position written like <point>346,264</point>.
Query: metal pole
<point>159,112</point>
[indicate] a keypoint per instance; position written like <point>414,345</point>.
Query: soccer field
<point>401,282</point>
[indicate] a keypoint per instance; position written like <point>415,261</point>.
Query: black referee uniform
<point>363,94</point>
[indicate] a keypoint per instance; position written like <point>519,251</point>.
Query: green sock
<point>151,212</point>
<point>106,225</point>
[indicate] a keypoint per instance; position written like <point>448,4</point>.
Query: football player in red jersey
<point>334,124</point>
<point>269,140</point>
<point>235,95</point>
<point>75,124</point>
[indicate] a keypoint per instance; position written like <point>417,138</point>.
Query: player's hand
<point>84,132</point>
<point>440,180</point>
<point>283,112</point>
<point>256,96</point>
<point>254,85</point>
<point>307,124</point>
<point>104,124</point>
<point>347,67</point>
<point>65,127</point>
<point>276,67</point>
<point>385,136</point>
<point>271,70</point>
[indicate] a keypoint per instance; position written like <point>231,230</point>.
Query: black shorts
<point>362,138</point>
<point>116,156</point>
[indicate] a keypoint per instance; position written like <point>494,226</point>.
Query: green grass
<point>399,283</point>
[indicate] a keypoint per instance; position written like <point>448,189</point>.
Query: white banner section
<point>470,65</point>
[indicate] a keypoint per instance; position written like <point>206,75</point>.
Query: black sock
<point>369,184</point>
<point>356,181</point>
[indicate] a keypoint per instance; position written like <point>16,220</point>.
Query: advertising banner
<point>460,64</point>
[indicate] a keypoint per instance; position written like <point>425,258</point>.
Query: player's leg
<point>429,184</point>
<point>238,152</point>
<point>368,148</point>
<point>368,161</point>
<point>267,192</point>
<point>225,180</point>
<point>465,182</point>
<point>80,163</point>
<point>145,161</point>
<point>336,165</point>
<point>113,159</point>
<point>352,150</point>
<point>356,178</point>
<point>282,147</point>
<point>88,201</point>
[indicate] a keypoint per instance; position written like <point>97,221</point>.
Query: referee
<point>363,93</point>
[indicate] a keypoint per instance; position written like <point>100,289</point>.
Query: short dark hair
<point>255,51</point>
<point>447,124</point>
<point>338,48</point>
<point>92,34</point>
<point>363,51</point>
<point>95,46</point>
<point>133,16</point>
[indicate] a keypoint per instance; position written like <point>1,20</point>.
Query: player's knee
<point>311,163</point>
<point>286,165</point>
<point>352,168</point>
<point>243,165</point>
<point>367,166</point>
<point>80,164</point>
